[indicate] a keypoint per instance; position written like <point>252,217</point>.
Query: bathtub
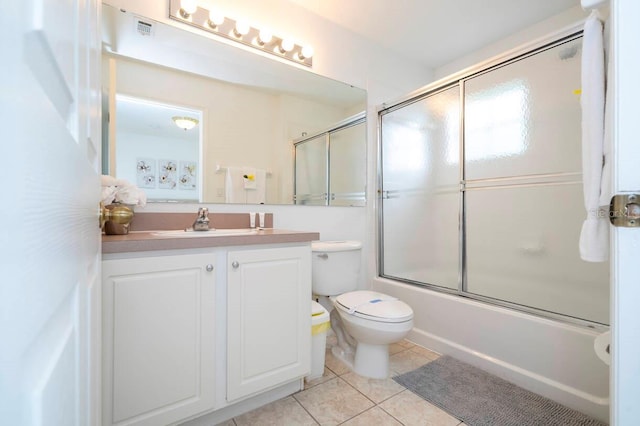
<point>547,357</point>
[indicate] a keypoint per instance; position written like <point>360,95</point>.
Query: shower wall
<point>493,211</point>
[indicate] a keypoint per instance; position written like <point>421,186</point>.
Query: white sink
<point>181,233</point>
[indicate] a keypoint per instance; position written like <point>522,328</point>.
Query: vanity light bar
<point>201,18</point>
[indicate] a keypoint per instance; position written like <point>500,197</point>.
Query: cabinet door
<point>158,331</point>
<point>269,318</point>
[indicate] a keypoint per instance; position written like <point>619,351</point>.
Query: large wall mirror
<point>247,111</point>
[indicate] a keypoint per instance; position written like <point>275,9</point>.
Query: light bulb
<point>185,123</point>
<point>188,6</point>
<point>264,37</point>
<point>242,28</point>
<point>306,52</point>
<point>286,45</point>
<point>215,18</point>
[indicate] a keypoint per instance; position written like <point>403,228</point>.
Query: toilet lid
<point>375,306</point>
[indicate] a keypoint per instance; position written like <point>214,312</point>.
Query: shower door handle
<point>624,210</point>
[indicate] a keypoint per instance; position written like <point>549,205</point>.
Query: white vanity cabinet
<point>200,334</point>
<point>268,318</point>
<point>158,338</point>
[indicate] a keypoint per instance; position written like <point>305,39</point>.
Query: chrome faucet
<point>202,221</point>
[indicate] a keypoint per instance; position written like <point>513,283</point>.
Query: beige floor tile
<point>327,375</point>
<point>406,344</point>
<point>374,416</point>
<point>285,411</point>
<point>406,361</point>
<point>394,348</point>
<point>376,390</point>
<point>333,402</point>
<point>425,352</point>
<point>412,410</point>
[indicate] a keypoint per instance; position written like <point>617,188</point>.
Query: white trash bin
<point>319,326</point>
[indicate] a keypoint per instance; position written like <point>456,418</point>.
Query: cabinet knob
<point>235,264</point>
<point>209,268</point>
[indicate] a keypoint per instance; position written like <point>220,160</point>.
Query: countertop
<point>147,241</point>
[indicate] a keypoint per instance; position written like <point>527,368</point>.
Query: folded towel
<point>249,176</point>
<point>236,190</point>
<point>259,194</point>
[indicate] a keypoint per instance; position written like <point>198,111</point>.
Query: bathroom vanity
<point>203,327</point>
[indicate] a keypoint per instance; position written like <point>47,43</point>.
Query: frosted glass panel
<point>347,165</point>
<point>524,118</point>
<point>522,247</point>
<point>421,198</point>
<point>311,172</point>
<point>522,189</point>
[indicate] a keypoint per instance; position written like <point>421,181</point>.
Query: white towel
<point>235,191</point>
<point>259,194</point>
<point>594,237</point>
<point>605,185</point>
<point>250,179</point>
<point>233,186</point>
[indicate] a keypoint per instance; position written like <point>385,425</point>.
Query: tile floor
<point>341,397</point>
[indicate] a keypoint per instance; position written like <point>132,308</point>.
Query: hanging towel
<point>605,185</point>
<point>234,186</point>
<point>235,191</point>
<point>594,237</point>
<point>259,194</point>
<point>249,176</point>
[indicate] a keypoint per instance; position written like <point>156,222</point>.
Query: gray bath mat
<point>479,398</point>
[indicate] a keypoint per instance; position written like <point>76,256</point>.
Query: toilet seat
<point>374,306</point>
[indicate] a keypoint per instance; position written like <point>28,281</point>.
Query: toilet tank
<point>335,267</point>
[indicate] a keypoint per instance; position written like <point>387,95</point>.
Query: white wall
<point>527,35</point>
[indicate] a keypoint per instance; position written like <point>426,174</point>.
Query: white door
<point>625,372</point>
<point>49,236</point>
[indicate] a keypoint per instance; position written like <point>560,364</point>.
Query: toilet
<point>365,322</point>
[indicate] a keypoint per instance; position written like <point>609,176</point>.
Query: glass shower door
<point>348,165</point>
<point>523,189</point>
<point>310,183</point>
<point>420,200</point>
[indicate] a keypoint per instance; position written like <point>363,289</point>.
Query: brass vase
<point>119,217</point>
